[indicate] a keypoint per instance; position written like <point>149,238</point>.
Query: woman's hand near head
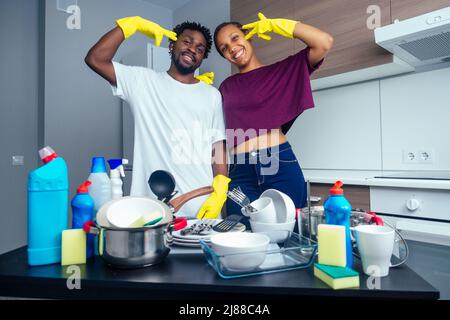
<point>284,27</point>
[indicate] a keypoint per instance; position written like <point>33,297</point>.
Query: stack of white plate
<point>193,240</point>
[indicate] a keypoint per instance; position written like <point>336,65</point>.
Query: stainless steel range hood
<point>419,41</point>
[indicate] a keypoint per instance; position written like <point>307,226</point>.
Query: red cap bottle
<point>337,188</point>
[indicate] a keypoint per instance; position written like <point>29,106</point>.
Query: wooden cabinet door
<point>246,11</point>
<point>346,20</point>
<point>405,9</point>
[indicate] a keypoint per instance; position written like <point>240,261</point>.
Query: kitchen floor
<point>431,262</point>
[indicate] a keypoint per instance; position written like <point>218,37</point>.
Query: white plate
<point>284,206</point>
<point>195,237</point>
<point>184,244</point>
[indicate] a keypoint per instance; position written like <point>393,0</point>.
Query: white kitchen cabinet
<point>342,131</point>
<point>414,116</point>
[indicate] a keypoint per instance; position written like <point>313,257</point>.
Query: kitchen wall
<point>369,126</point>
<point>19,88</point>
<point>210,13</point>
<point>82,117</point>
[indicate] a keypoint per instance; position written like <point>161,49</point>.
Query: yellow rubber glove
<point>283,27</point>
<point>131,25</point>
<point>213,205</point>
<point>207,77</point>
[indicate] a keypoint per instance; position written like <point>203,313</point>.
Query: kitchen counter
<point>366,178</point>
<point>188,276</point>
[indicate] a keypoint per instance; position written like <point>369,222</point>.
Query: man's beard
<point>180,67</point>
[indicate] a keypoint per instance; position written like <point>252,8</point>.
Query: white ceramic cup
<point>375,246</point>
<point>265,210</point>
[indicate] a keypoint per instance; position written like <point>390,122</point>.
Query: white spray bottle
<point>116,174</point>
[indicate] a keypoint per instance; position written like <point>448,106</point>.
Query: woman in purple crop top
<point>261,102</point>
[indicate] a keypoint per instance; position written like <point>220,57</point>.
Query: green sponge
<point>73,247</point>
<point>331,243</point>
<point>337,277</point>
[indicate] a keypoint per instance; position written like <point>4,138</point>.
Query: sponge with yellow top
<point>73,247</point>
<point>331,245</point>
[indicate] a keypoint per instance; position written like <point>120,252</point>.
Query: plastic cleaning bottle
<point>100,189</point>
<point>116,172</point>
<point>83,211</point>
<point>48,202</point>
<point>337,211</point>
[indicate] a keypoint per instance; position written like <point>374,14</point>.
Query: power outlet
<point>425,156</point>
<point>410,156</point>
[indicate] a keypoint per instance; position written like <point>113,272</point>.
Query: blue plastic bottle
<point>48,202</point>
<point>83,211</point>
<point>337,211</point>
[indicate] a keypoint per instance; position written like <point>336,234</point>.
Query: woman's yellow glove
<point>207,77</point>
<point>213,205</point>
<point>283,27</point>
<point>131,25</point>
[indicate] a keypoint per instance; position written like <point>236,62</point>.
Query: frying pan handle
<point>178,202</point>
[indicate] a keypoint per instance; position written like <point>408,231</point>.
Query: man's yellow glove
<point>131,25</point>
<point>213,205</point>
<point>207,77</point>
<point>283,27</point>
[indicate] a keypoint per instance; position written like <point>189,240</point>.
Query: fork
<point>241,199</point>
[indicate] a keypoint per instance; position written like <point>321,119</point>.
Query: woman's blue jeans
<point>272,168</point>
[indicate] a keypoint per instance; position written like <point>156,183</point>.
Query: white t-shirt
<point>176,125</point>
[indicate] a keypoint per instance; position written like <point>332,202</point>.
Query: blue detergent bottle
<point>337,211</point>
<point>48,202</point>
<point>83,211</point>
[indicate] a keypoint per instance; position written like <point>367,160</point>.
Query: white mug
<point>375,246</point>
<point>265,210</point>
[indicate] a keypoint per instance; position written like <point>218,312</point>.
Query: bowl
<point>133,212</point>
<point>284,206</point>
<point>240,251</point>
<point>277,232</point>
<point>265,210</point>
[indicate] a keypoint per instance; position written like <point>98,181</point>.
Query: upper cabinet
<point>350,22</point>
<point>405,9</point>
<point>347,21</point>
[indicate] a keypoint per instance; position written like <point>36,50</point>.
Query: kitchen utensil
<point>375,246</point>
<point>284,206</point>
<point>254,246</point>
<point>141,247</point>
<point>265,210</point>
<point>277,232</point>
<point>228,223</point>
<point>242,200</point>
<point>133,211</point>
<point>162,184</point>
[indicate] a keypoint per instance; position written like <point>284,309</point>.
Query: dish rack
<point>296,252</point>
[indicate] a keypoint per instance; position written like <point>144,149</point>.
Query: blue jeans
<point>271,168</point>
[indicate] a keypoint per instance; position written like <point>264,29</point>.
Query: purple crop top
<point>267,98</point>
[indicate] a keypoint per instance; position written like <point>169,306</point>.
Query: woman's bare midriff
<point>272,138</point>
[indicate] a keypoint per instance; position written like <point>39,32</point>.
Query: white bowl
<point>241,251</point>
<point>265,210</point>
<point>284,206</point>
<point>277,232</point>
<point>124,212</point>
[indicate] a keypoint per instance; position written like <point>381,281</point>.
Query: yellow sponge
<point>331,243</point>
<point>73,247</point>
<point>337,277</point>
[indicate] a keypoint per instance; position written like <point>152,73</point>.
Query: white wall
<point>367,126</point>
<point>209,13</point>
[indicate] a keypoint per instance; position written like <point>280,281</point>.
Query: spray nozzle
<point>117,164</point>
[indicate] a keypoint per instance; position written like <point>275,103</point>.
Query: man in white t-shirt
<point>179,124</point>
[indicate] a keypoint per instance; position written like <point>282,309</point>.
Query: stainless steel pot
<point>140,247</point>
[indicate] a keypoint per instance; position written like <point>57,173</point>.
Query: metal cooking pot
<point>140,247</point>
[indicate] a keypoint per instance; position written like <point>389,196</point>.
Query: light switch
<point>17,160</point>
